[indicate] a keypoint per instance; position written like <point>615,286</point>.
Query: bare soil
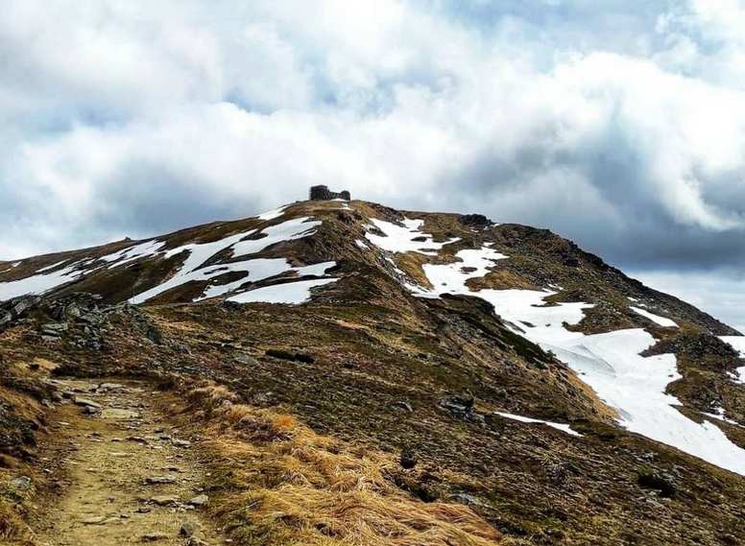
<point>126,476</point>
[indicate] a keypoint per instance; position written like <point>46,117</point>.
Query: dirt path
<point>128,476</point>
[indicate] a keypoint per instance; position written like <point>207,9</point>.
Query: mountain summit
<point>498,381</point>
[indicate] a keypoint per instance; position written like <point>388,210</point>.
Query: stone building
<point>322,193</point>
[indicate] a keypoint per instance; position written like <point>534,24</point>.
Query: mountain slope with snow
<point>504,357</point>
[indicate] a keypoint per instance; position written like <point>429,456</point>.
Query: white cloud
<point>613,123</point>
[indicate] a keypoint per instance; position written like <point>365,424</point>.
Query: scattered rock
<point>5,317</point>
<point>164,500</point>
<point>408,460</point>
<point>22,483</point>
<point>15,308</point>
<point>404,405</point>
<point>159,480</point>
<point>85,402</point>
<point>661,482</point>
<point>188,529</point>
<point>181,443</point>
<point>469,500</point>
<point>287,355</point>
<point>199,500</point>
<point>97,520</point>
<point>106,387</point>
<point>263,398</point>
<point>459,406</point>
<point>243,358</point>
<point>476,221</point>
<point>22,304</point>
<point>53,329</point>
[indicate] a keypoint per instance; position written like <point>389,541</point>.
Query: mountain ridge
<point>40,262</point>
<point>501,360</point>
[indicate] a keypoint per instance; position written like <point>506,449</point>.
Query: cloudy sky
<point>617,123</point>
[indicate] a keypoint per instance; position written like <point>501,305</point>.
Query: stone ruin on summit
<point>323,193</point>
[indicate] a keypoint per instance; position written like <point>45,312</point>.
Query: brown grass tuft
<point>278,482</point>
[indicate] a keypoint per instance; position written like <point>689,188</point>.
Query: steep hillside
<point>491,368</point>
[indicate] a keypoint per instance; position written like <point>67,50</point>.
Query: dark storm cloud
<point>143,199</point>
<point>640,232</point>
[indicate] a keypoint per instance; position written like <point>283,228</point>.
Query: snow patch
<point>719,414</point>
<point>297,228</point>
<point>272,214</point>
<point>39,283</point>
<point>451,277</point>
<point>293,293</point>
<point>610,363</point>
<point>132,253</point>
<point>401,239</point>
<point>198,254</point>
<point>660,321</point>
<point>257,269</point>
<point>558,426</point>
<point>50,267</point>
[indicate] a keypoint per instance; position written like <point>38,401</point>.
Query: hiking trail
<point>126,475</point>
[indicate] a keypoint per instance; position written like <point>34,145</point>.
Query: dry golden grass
<point>281,483</point>
<point>501,279</point>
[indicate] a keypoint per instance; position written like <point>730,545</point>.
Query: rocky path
<point>126,476</point>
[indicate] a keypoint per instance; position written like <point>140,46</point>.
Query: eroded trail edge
<point>128,476</point>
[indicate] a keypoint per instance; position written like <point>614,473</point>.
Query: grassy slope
<point>375,350</point>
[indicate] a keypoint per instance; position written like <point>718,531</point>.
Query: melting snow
<point>272,214</point>
<point>39,283</point>
<point>400,239</point>
<point>199,253</point>
<point>297,228</point>
<point>661,321</point>
<point>558,426</point>
<point>361,244</point>
<point>193,267</point>
<point>256,270</point>
<point>50,267</point>
<point>719,414</point>
<point>293,293</point>
<point>12,266</point>
<point>610,363</point>
<point>452,277</point>
<point>132,253</point>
